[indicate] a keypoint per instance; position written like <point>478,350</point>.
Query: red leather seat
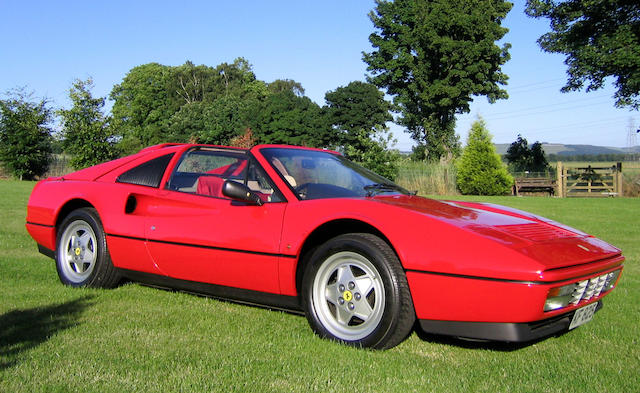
<point>210,185</point>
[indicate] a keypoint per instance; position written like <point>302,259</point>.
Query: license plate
<point>583,315</point>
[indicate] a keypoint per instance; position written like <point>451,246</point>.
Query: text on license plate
<point>583,315</point>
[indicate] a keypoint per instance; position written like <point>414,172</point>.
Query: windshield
<point>313,174</point>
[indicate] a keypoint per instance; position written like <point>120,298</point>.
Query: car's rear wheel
<point>355,291</point>
<point>82,257</point>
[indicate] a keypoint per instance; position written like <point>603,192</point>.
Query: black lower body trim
<point>46,251</point>
<point>245,296</point>
<point>497,331</point>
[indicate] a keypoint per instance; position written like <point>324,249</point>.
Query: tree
<point>357,111</point>
<point>518,155</point>
<point>25,135</point>
<point>236,78</point>
<point>539,161</point>
<point>151,95</point>
<point>286,118</point>
<point>374,153</point>
<point>194,83</point>
<point>432,56</point>
<point>216,123</point>
<point>280,85</point>
<point>86,131</point>
<point>188,123</point>
<point>523,158</point>
<point>600,38</point>
<point>143,106</point>
<point>480,170</point>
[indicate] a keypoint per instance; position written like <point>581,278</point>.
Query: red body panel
<point>466,299</point>
<point>237,245</point>
<point>464,261</point>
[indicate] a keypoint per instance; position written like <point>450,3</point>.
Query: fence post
<point>619,179</point>
<point>559,182</point>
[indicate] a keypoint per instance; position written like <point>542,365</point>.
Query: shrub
<point>25,135</point>
<point>480,170</point>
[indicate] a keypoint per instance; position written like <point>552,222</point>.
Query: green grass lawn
<point>139,339</point>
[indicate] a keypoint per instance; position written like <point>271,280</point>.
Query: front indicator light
<point>612,278</point>
<point>559,297</point>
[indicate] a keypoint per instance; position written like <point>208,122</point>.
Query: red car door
<point>194,233</point>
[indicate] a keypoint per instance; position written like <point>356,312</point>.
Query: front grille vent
<point>587,289</point>
<point>537,232</point>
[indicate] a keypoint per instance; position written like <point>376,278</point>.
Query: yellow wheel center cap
<point>78,251</point>
<point>347,296</point>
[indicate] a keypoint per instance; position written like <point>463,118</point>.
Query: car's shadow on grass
<point>24,329</point>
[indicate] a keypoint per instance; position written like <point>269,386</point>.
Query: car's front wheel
<point>82,257</point>
<point>355,291</point>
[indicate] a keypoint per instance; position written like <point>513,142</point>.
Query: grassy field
<point>139,339</point>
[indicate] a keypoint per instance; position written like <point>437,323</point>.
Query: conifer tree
<point>480,170</point>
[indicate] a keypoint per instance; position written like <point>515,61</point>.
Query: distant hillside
<point>572,150</point>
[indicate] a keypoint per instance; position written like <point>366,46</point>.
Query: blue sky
<point>48,44</point>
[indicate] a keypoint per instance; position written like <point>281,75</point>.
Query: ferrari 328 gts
<point>307,230</point>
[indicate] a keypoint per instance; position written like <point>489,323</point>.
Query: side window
<point>148,174</point>
<point>202,171</point>
<point>258,182</point>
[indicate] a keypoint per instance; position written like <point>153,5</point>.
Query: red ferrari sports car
<point>307,230</point>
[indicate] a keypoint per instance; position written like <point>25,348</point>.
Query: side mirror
<point>239,191</point>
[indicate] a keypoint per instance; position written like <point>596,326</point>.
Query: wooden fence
<point>589,181</point>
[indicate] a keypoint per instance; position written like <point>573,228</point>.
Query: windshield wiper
<point>382,187</point>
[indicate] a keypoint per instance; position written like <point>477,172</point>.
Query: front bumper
<point>496,331</point>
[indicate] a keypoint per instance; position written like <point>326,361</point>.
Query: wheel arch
<point>330,230</point>
<point>68,207</point>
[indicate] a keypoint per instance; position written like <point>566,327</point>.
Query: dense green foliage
<point>356,111</point>
<point>522,158</point>
<point>600,38</point>
<point>139,339</point>
<point>217,105</point>
<point>86,132</point>
<point>157,103</point>
<point>143,105</point>
<point>282,85</point>
<point>358,114</point>
<point>375,154</point>
<point>287,118</point>
<point>204,122</point>
<point>480,170</point>
<point>432,56</point>
<point>25,135</point>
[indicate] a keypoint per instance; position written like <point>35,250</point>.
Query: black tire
<point>355,291</point>
<point>82,257</point>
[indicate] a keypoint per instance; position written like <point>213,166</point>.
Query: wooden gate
<point>589,181</point>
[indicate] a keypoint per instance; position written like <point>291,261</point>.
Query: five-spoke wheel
<point>77,251</point>
<point>82,258</point>
<point>348,295</point>
<point>355,291</point>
